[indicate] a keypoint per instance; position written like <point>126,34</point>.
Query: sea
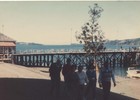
<point>28,48</point>
<point>35,48</point>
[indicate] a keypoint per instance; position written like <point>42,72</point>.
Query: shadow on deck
<point>37,89</point>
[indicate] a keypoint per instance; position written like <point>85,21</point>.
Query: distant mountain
<point>109,44</point>
<point>36,46</point>
<point>135,41</point>
<point>26,43</point>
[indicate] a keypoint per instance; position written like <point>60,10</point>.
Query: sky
<point>56,22</point>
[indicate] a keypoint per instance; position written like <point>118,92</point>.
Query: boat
<point>133,72</point>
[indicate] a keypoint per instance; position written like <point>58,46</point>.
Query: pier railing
<point>45,59</point>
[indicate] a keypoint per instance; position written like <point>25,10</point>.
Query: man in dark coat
<point>91,87</point>
<point>55,70</point>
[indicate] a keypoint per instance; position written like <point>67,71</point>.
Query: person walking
<point>91,86</point>
<point>54,71</point>
<point>105,76</point>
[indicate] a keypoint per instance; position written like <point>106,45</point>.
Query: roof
<point>4,38</point>
<point>7,44</point>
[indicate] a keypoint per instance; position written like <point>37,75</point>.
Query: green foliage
<point>91,34</point>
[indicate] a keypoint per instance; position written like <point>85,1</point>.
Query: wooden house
<point>7,47</point>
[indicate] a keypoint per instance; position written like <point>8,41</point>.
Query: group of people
<point>78,83</point>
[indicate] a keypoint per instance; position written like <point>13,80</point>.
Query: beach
<point>33,83</point>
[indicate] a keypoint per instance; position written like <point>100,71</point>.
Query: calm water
<point>25,47</point>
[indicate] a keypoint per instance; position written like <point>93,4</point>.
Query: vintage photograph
<point>69,50</point>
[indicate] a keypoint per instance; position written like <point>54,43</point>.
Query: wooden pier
<point>44,60</point>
